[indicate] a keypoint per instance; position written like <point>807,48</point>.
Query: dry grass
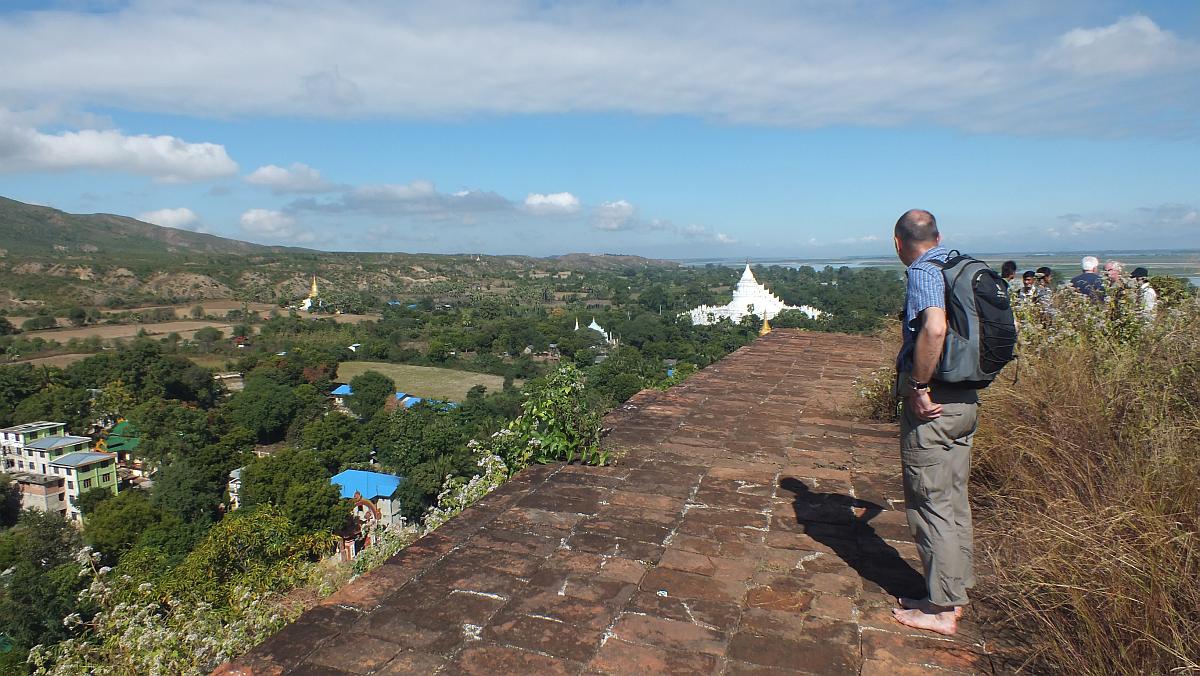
<point>109,331</point>
<point>211,361</point>
<point>59,360</point>
<point>1087,480</point>
<point>352,319</point>
<point>424,381</point>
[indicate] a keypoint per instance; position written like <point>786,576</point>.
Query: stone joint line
<point>747,528</point>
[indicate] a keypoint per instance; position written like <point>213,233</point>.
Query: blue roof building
<point>342,391</point>
<point>82,458</point>
<point>369,485</point>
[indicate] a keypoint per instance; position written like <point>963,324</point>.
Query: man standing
<point>1088,282</point>
<point>1147,296</point>
<point>1029,287</point>
<point>936,431</point>
<point>1008,270</point>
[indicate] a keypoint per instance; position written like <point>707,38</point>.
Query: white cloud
<point>274,225</point>
<point>614,215</point>
<point>964,65</point>
<point>865,239</point>
<point>1079,225</point>
<point>1170,215</point>
<point>330,91</point>
<point>181,218</point>
<point>166,158</point>
<point>296,178</point>
<point>1133,44</point>
<point>553,203</point>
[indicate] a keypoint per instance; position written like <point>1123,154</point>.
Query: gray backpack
<point>981,332</point>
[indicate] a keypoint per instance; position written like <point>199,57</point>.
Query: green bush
<point>39,322</point>
<point>557,422</point>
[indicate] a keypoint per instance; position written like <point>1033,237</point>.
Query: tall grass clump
<point>1087,488</point>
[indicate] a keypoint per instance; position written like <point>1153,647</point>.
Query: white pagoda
<point>749,298</point>
<point>595,326</point>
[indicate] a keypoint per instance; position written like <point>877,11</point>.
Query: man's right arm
<point>927,352</point>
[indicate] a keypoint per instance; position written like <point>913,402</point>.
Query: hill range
<point>47,255</point>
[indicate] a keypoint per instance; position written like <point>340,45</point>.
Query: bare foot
<point>923,604</point>
<point>940,622</point>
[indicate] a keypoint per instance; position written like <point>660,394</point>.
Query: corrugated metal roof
<point>50,443</point>
<point>38,426</point>
<point>370,485</point>
<point>82,458</point>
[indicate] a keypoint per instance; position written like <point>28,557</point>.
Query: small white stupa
<point>595,326</point>
<point>749,298</point>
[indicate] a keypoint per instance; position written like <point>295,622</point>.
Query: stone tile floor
<point>752,527</point>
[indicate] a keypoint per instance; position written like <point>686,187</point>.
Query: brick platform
<point>753,527</point>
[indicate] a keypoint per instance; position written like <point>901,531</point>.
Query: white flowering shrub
<point>458,494</point>
<point>221,600</point>
<point>134,631</point>
<point>386,540</point>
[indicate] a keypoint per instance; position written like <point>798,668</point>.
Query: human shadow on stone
<point>833,520</point>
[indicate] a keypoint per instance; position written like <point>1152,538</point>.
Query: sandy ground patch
<point>424,381</point>
<point>185,329</point>
<point>352,319</point>
<point>59,360</point>
<point>216,307</point>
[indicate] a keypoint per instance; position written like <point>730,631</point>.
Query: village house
<point>371,494</point>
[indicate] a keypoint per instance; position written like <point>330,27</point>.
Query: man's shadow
<point>831,519</point>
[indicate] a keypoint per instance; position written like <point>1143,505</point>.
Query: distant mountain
<point>32,230</point>
<point>47,255</point>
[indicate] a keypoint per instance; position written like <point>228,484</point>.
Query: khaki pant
<point>936,456</point>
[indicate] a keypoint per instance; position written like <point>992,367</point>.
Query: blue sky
<point>672,129</point>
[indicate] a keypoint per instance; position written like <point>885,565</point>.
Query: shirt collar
<point>938,250</point>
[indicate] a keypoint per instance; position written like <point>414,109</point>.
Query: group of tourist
<point>1037,286</point>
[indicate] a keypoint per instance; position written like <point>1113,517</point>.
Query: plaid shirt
<point>926,288</point>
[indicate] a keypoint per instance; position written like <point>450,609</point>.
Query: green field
<point>424,381</point>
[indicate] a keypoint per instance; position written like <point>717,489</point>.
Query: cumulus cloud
<point>274,225</point>
<point>964,65</point>
<point>181,218</point>
<point>296,178</point>
<point>621,215</point>
<point>614,215</point>
<point>553,203</point>
<point>422,200</point>
<point>165,158</point>
<point>1170,214</point>
<point>1075,225</point>
<point>1133,44</point>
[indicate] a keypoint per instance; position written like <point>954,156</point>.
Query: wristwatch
<point>917,385</point>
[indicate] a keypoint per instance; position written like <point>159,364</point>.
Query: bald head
<point>917,226</point>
